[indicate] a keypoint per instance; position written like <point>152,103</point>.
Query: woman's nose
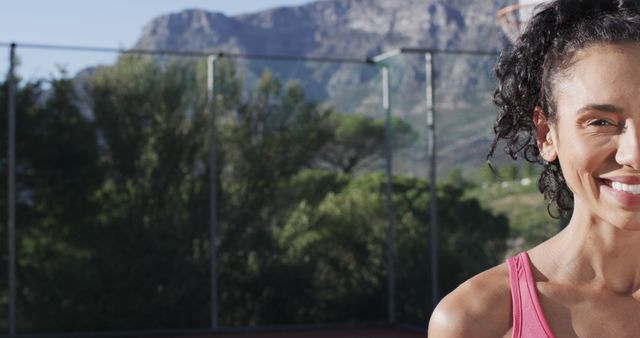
<point>628,153</point>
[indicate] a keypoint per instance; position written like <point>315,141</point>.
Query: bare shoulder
<point>480,307</point>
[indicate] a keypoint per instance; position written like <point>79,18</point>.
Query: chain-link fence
<point>169,191</point>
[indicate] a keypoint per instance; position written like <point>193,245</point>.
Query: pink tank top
<point>528,319</point>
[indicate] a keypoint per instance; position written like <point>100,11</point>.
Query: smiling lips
<point>625,190</point>
<point>630,188</point>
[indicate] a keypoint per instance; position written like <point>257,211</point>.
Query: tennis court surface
<point>319,333</point>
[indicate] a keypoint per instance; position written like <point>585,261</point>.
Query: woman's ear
<point>544,135</point>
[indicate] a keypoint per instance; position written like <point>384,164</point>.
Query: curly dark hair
<point>527,73</point>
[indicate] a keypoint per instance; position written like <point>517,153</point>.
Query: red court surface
<point>328,333</point>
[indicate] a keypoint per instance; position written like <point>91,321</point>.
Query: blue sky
<point>106,23</point>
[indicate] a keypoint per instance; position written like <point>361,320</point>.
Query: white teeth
<point>633,189</point>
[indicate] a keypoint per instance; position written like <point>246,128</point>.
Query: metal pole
<point>431,124</point>
<point>213,219</point>
<point>11,206</point>
<point>386,103</point>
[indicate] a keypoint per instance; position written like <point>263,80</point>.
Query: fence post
<point>433,205</point>
<point>213,188</point>
<point>11,198</point>
<point>386,103</point>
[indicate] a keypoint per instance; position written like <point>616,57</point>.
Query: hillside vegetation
<point>512,191</point>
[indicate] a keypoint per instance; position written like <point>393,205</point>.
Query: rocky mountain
<point>360,29</point>
<point>338,28</point>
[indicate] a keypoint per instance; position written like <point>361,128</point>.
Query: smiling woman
<point>598,145</point>
<point>568,98</point>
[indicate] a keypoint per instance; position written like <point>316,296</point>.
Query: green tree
<point>509,172</point>
<point>339,244</point>
<point>57,170</point>
<point>530,170</point>
<point>150,228</point>
<point>487,175</point>
<point>268,140</point>
<point>359,140</point>
<point>457,179</point>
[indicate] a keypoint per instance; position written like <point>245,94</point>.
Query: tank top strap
<point>529,320</point>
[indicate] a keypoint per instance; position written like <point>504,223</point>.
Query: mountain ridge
<point>360,29</point>
<point>340,28</point>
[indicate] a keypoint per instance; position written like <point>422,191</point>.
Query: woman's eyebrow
<point>601,107</point>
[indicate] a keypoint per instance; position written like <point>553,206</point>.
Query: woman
<point>569,98</point>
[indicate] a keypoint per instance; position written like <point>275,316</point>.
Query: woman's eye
<point>600,123</point>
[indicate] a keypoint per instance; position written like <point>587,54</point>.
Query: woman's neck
<point>592,252</point>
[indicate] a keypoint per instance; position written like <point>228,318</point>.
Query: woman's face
<point>596,135</point>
